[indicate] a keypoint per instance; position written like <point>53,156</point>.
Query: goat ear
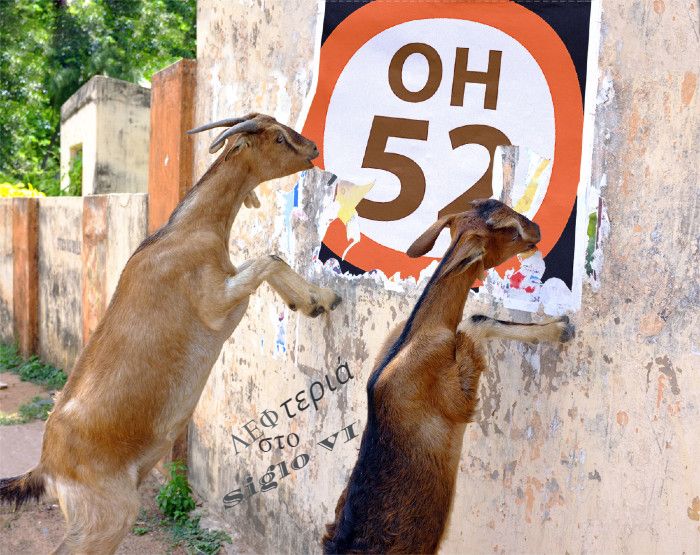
<point>240,143</point>
<point>507,222</point>
<point>427,239</point>
<point>467,252</point>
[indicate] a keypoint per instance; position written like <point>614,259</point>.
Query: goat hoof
<point>564,319</point>
<point>568,333</point>
<point>338,299</point>
<point>316,311</point>
<point>293,307</point>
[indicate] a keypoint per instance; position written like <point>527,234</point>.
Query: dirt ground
<point>17,392</point>
<point>38,528</point>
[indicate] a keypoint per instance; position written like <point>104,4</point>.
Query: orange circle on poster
<point>527,28</point>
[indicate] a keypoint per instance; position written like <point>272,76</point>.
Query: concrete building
<point>107,121</point>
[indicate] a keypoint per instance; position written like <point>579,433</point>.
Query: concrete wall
<point>77,267</point>
<point>588,449</point>
<point>126,228</point>
<point>111,119</point>
<point>60,279</point>
<point>6,270</point>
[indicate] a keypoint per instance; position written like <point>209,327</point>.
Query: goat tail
<point>30,486</point>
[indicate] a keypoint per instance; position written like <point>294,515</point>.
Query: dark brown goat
<point>423,391</point>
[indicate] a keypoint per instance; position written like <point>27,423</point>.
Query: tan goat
<point>423,391</point>
<point>138,380</point>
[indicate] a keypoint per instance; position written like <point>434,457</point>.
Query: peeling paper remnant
<point>521,180</point>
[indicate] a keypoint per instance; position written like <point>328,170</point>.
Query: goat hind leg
<point>97,521</point>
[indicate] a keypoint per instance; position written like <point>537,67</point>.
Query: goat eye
<point>280,139</point>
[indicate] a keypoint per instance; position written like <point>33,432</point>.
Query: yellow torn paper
<point>348,196</point>
<point>525,202</point>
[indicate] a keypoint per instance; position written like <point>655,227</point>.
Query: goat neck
<point>443,300</point>
<point>216,198</point>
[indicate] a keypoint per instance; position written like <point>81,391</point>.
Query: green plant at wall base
<point>35,371</point>
<point>32,369</point>
<point>176,502</point>
<point>37,409</point>
<point>9,357</point>
<point>196,539</point>
<point>175,498</point>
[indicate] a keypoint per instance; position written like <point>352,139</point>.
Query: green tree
<point>49,48</point>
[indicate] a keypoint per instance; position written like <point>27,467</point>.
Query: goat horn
<point>228,122</point>
<point>247,126</point>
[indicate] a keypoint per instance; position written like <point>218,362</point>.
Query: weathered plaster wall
<point>6,270</point>
<point>592,448</point>
<point>60,287</point>
<point>127,224</point>
<point>111,119</point>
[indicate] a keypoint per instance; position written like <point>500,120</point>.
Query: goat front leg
<point>469,364</point>
<point>299,294</point>
<point>483,327</point>
<point>216,291</point>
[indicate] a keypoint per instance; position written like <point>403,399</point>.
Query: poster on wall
<point>422,107</point>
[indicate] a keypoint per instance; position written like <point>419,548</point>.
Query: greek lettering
<point>269,418</point>
<point>265,441</point>
<point>255,429</point>
<point>235,439</point>
<point>302,400</point>
<point>313,397</point>
<point>289,439</point>
<point>286,408</point>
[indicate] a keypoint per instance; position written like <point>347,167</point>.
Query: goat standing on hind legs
<point>423,391</point>
<point>138,380</point>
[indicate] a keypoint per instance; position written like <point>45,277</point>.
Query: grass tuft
<point>176,502</point>
<point>32,369</point>
<point>36,409</point>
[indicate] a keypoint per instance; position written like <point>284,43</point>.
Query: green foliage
<point>49,48</point>
<point>32,369</point>
<point>9,190</point>
<point>176,502</point>
<point>35,371</point>
<point>9,357</point>
<point>196,539</point>
<point>37,409</point>
<point>175,498</point>
<point>140,530</point>
<point>75,175</point>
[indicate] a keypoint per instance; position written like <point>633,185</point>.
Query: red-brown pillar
<point>25,273</point>
<point>171,156</point>
<point>171,159</point>
<point>94,255</point>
